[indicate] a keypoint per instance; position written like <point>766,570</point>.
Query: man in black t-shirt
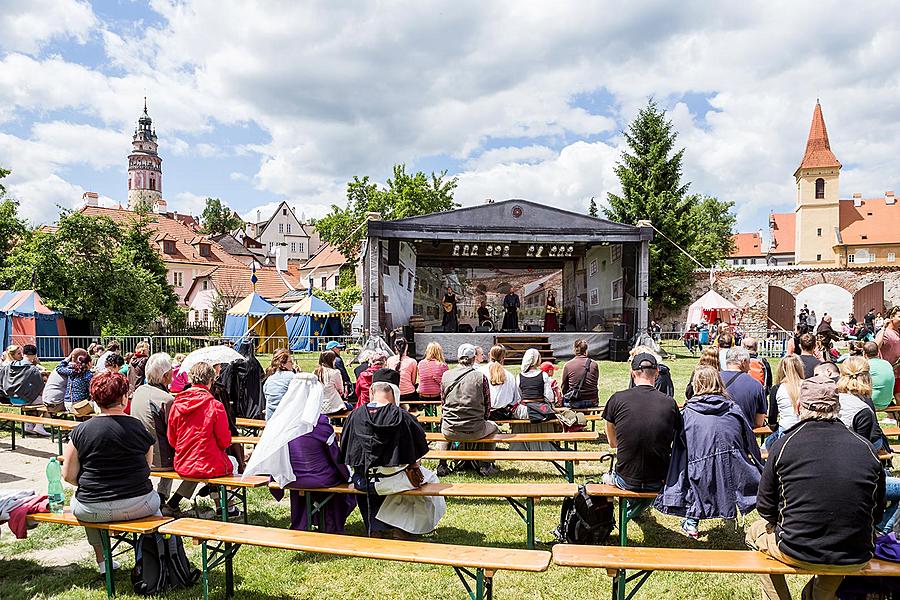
<point>641,424</point>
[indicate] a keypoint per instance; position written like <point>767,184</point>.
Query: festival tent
<point>709,307</point>
<point>312,317</point>
<point>254,318</point>
<point>25,319</point>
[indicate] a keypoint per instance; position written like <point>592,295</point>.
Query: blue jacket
<point>715,465</point>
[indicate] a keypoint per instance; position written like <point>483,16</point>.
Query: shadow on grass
<point>722,536</point>
<point>29,451</point>
<point>20,578</point>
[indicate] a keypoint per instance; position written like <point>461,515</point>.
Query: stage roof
<point>509,220</point>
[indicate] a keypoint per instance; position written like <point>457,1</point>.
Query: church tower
<point>818,213</point>
<point>144,166</point>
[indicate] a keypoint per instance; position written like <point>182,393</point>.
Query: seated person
<point>364,380</point>
<point>882,374</point>
<point>150,405</point>
<point>76,370</point>
<point>299,449</point>
<point>581,367</point>
<point>22,381</point>
<point>278,377</point>
<point>108,458</point>
<point>466,406</point>
<point>664,382</point>
<point>829,370</point>
<point>784,396</point>
<point>198,429</point>
<point>742,389</point>
<point>333,384</point>
<point>641,423</point>
<point>855,399</point>
<point>382,444</point>
<point>504,390</point>
<point>549,368</point>
<point>820,493</point>
<point>114,362</point>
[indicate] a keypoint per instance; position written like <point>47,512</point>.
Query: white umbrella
<point>213,355</point>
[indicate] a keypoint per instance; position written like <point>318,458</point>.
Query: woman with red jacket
<point>198,429</point>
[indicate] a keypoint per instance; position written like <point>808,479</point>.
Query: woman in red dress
<point>551,320</point>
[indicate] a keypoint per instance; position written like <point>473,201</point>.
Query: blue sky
<point>258,102</point>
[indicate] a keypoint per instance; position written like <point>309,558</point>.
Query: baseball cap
<point>819,394</point>
<point>644,360</point>
<point>333,344</point>
<point>465,351</point>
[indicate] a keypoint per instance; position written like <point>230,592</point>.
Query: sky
<point>260,102</point>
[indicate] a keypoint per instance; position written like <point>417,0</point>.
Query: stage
<point>560,342</point>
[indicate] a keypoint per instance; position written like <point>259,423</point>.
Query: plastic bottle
<point>55,497</point>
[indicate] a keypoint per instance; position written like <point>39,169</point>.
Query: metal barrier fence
<point>58,347</point>
<point>771,344</point>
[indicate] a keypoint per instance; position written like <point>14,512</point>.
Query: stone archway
<point>827,298</point>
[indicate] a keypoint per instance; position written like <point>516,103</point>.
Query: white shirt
<point>504,394</point>
<point>787,416</point>
<point>332,401</point>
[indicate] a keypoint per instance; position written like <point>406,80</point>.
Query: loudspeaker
<point>411,349</point>
<point>483,329</point>
<point>465,328</point>
<point>618,350</point>
<point>534,328</point>
<point>393,257</point>
<point>409,333</point>
<point>619,331</point>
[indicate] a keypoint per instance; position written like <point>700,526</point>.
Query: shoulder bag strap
<point>730,381</point>
<point>456,381</point>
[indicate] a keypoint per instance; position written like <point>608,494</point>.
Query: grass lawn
<point>266,574</point>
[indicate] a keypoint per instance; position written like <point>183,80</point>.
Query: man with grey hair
<point>150,405</point>
<point>820,494</point>
<point>743,389</point>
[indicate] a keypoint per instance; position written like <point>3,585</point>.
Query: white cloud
<point>27,26</point>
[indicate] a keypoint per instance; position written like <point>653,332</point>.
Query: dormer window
<point>168,247</point>
<point>820,188</point>
<point>204,249</point>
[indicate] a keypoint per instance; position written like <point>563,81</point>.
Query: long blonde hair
<point>434,352</point>
<point>855,378</point>
<point>496,371</point>
<point>710,358</point>
<point>706,381</point>
<point>279,361</point>
<point>790,376</point>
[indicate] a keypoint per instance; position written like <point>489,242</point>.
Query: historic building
<point>826,230</point>
<point>144,166</point>
<point>283,230</point>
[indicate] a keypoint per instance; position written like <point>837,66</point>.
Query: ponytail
<point>496,372</point>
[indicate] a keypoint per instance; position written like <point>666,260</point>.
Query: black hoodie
<point>381,436</point>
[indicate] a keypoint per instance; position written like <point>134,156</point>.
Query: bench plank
<point>514,455</point>
<point>143,525</point>
<point>507,438</point>
<point>490,559</point>
<point>60,423</point>
<point>251,481</point>
<point>467,490</point>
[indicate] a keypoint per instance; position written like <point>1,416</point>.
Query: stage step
<point>517,345</point>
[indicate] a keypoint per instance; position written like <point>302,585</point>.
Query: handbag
<point>539,411</point>
<point>415,476</point>
<point>82,409</point>
<point>572,420</point>
<point>573,393</point>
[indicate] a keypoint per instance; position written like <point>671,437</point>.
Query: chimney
<point>889,198</point>
<point>857,200</point>
<point>258,218</point>
<point>281,258</point>
<point>488,200</point>
<point>90,199</point>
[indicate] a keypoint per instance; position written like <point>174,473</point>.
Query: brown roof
<point>169,229</point>
<point>327,256</point>
<point>818,150</point>
<point>782,227</point>
<point>235,281</point>
<point>874,221</point>
<point>747,245</point>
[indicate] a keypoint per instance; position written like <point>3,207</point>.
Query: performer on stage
<point>483,313</point>
<point>551,320</point>
<point>511,304</point>
<point>450,320</point>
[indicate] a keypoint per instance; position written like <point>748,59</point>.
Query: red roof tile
<point>818,150</point>
<point>783,238</point>
<point>235,281</point>
<point>327,256</point>
<point>747,245</point>
<point>874,221</point>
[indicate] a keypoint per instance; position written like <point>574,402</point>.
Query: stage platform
<point>560,342</point>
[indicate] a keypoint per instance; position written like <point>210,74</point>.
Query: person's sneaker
<point>443,470</point>
<point>205,513</point>
<point>102,566</point>
<point>234,512</point>
<point>690,530</point>
<point>488,470</point>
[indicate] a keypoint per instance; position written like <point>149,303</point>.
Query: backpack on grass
<point>585,519</point>
<point>161,565</point>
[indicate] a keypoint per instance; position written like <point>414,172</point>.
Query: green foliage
<point>650,175</point>
<point>12,228</point>
<point>91,268</point>
<point>342,298</point>
<point>405,195</point>
<point>218,219</point>
<point>138,247</point>
<point>592,209</point>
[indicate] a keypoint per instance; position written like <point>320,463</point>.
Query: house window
<point>595,297</point>
<point>851,258</point>
<point>169,247</point>
<point>819,232</point>
<point>288,227</point>
<point>271,246</point>
<point>281,228</point>
<point>409,281</point>
<point>324,281</point>
<point>204,249</point>
<point>818,257</point>
<point>618,288</point>
<point>891,257</point>
<point>300,247</point>
<point>593,268</point>
<point>284,211</point>
<point>820,188</point>
<point>205,284</point>
<point>752,261</point>
<point>293,248</point>
<point>206,315</point>
<point>177,279</point>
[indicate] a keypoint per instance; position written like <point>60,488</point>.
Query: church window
<point>820,188</point>
<point>153,183</point>
<point>129,183</point>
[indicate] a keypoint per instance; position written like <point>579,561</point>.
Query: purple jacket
<point>715,465</point>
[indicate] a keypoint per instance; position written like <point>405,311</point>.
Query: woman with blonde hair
<point>505,398</point>
<point>784,397</point>
<point>855,398</point>
<point>430,370</point>
<point>708,358</point>
<point>716,466</point>
<point>278,377</point>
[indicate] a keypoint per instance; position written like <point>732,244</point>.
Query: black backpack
<point>585,519</point>
<point>161,565</point>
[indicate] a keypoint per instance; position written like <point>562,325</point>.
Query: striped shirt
<point>430,373</point>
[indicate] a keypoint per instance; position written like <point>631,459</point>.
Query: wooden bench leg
<point>484,583</point>
<point>108,563</point>
<point>212,556</point>
<point>59,439</point>
<point>526,512</point>
<point>204,575</point>
<point>620,579</point>
<point>13,439</point>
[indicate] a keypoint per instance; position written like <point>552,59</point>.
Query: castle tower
<point>144,166</point>
<point>818,219</point>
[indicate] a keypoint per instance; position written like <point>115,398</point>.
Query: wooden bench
<point>221,540</point>
<point>511,492</point>
<point>565,437</point>
<point>56,425</point>
<point>111,535</point>
<point>883,455</point>
<point>618,560</point>
<point>230,487</point>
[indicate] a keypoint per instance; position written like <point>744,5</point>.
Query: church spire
<point>818,153</point>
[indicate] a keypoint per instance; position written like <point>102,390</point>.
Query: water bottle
<point>55,497</point>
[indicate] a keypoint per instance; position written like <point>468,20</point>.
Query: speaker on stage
<point>409,333</point>
<point>393,254</point>
<point>618,350</point>
<point>534,328</point>
<point>411,349</point>
<point>465,328</point>
<point>619,331</point>
<point>483,329</point>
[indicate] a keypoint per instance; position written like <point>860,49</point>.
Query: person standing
<point>136,366</point>
<point>551,313</point>
<point>820,494</point>
<point>450,318</point>
<point>582,375</point>
<point>888,341</point>
<point>511,304</point>
<point>742,389</point>
<point>808,355</point>
<point>882,374</point>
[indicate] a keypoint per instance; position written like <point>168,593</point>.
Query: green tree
<point>650,173</point>
<point>12,228</point>
<point>137,247</point>
<point>592,209</point>
<point>218,219</point>
<point>405,195</point>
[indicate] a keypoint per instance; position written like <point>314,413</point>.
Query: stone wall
<point>749,289</point>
